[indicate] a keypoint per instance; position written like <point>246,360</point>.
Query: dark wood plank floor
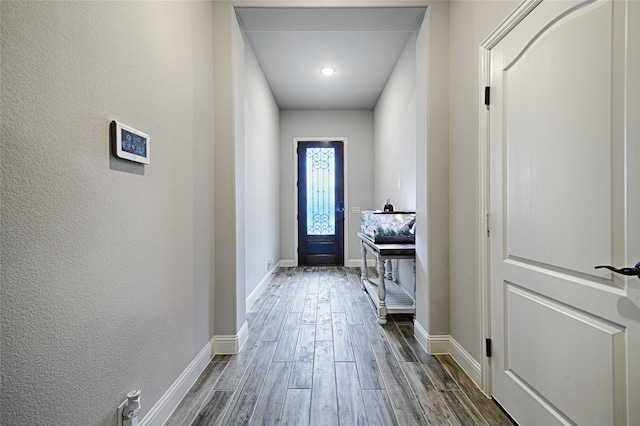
<point>317,356</point>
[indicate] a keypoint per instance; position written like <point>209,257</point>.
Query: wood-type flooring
<point>316,355</point>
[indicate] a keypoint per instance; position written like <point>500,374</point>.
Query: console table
<point>387,295</point>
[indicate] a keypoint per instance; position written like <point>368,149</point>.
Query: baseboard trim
<point>231,344</point>
<point>251,299</point>
<point>350,263</point>
<point>167,404</point>
<point>354,263</point>
<point>433,345</point>
<point>466,361</point>
<point>162,410</point>
<point>243,336</point>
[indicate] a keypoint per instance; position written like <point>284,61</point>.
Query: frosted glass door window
<point>321,208</point>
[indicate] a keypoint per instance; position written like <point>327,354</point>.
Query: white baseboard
<point>231,344</point>
<point>243,336</point>
<point>350,263</point>
<point>251,299</point>
<point>167,404</point>
<point>433,345</point>
<point>163,409</point>
<point>439,345</point>
<point>466,362</point>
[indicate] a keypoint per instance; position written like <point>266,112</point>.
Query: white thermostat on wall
<point>129,143</point>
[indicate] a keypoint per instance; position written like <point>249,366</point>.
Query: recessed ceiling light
<point>327,70</point>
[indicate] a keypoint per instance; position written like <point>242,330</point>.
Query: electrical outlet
<point>355,210</point>
<point>120,410</point>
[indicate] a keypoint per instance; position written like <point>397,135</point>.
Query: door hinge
<point>487,347</point>
<point>488,224</point>
<point>487,95</point>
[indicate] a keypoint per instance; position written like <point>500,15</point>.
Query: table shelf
<point>388,296</point>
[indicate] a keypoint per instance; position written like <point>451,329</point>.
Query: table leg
<point>382,294</point>
<point>365,273</point>
<point>415,283</point>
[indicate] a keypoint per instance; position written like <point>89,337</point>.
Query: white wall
<point>395,135</point>
<point>262,173</point>
<point>357,126</point>
<point>105,264</point>
<point>73,218</point>
<point>395,146</point>
<point>229,177</point>
<point>432,162</point>
<point>470,23</point>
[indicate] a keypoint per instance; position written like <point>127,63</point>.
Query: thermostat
<point>129,143</point>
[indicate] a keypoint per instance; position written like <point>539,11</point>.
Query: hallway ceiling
<point>293,44</point>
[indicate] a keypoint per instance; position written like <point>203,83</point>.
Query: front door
<point>564,125</point>
<point>320,203</point>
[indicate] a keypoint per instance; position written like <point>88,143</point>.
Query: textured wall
<point>432,163</point>
<point>105,264</point>
<point>470,23</point>
<point>228,122</point>
<point>262,172</point>
<point>395,135</point>
<point>395,145</point>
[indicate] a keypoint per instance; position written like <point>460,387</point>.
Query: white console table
<point>387,295</point>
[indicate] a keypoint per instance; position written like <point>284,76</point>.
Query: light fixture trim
<point>327,71</point>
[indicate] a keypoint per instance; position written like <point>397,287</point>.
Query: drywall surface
<point>357,127</point>
<point>105,264</point>
<point>395,146</point>
<point>470,23</point>
<point>262,173</point>
<point>395,135</point>
<point>432,163</point>
<point>228,128</point>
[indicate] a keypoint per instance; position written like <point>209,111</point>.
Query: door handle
<point>635,271</point>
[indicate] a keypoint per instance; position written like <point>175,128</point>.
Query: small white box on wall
<point>130,144</point>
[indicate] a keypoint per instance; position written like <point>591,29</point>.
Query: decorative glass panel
<point>321,188</point>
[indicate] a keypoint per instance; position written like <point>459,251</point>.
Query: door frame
<point>484,219</point>
<point>345,171</point>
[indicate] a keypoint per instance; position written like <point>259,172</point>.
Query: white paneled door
<point>564,184</point>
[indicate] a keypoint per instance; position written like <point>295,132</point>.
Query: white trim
<point>167,404</point>
<point>328,3</point>
<point>243,336</point>
<point>251,299</point>
<point>464,359</point>
<point>433,345</point>
<point>354,263</point>
<point>514,18</point>
<point>494,38</point>
<point>438,345</point>
<point>350,263</point>
<point>287,263</point>
<point>231,344</point>
<point>421,335</point>
<point>345,171</point>
<point>484,219</point>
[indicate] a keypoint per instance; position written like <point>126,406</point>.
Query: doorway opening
<point>320,203</point>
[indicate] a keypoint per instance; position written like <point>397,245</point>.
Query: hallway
<point>316,355</point>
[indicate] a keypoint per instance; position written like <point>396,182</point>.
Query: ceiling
<point>363,45</point>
